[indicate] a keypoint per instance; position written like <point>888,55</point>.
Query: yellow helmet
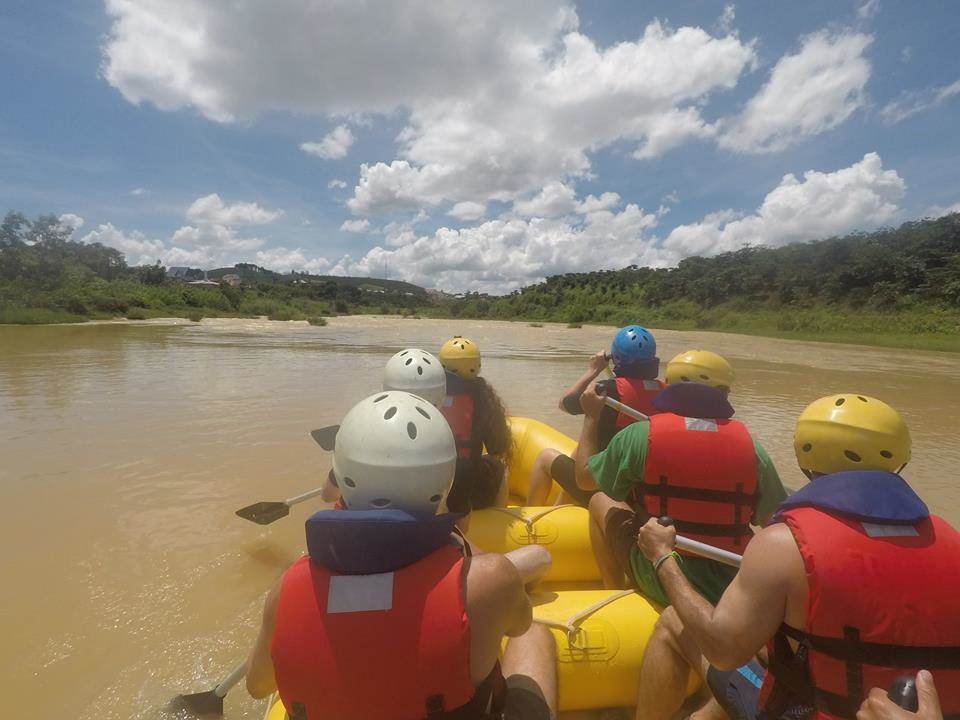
<point>461,357</point>
<point>851,432</point>
<point>700,366</point>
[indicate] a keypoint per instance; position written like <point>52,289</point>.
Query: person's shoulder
<point>772,546</point>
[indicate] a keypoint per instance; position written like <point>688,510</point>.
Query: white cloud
<point>861,196</point>
<point>336,184</point>
<point>71,222</point>
<point>554,200</point>
<point>137,247</point>
<point>211,209</point>
<point>335,144</point>
<point>283,260</point>
<point>501,255</point>
<point>935,211</point>
<point>138,191</point>
<point>727,18</point>
<point>809,92</point>
<point>913,102</point>
<point>906,54</point>
<point>868,9</point>
<point>501,98</point>
<point>468,211</point>
<point>356,226</point>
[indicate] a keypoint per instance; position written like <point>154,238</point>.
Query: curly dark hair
<point>492,416</point>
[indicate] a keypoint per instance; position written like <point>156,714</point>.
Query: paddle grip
<point>903,692</point>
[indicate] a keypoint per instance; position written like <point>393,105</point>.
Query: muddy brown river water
<point>125,448</point>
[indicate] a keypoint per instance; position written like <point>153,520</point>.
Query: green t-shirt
<point>617,468</point>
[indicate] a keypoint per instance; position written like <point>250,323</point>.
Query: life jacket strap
<point>851,649</point>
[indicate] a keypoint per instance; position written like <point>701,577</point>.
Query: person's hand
<point>878,706</point>
<point>655,540</point>
<point>598,362</point>
<point>592,403</point>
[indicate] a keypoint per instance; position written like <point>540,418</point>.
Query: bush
<point>137,313</point>
<point>317,320</point>
<point>574,325</point>
<point>284,314</point>
<point>194,315</point>
<point>536,324</point>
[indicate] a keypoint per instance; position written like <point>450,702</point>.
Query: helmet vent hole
<point>404,353</point>
<point>685,378</point>
<point>349,482</point>
<point>412,430</point>
<point>409,360</point>
<point>391,411</point>
<point>376,400</point>
<point>425,360</point>
<point>380,502</point>
<point>861,398</point>
<point>419,370</point>
<point>840,402</point>
<point>851,455</point>
<point>435,498</point>
<point>807,447</point>
<point>423,412</point>
<point>704,377</point>
<point>887,454</point>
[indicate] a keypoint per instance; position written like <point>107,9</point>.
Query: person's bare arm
<point>260,678</point>
<point>753,606</point>
<point>592,405</point>
<point>598,363</point>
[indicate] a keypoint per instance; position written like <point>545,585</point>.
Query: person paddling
<point>634,383</point>
<point>691,461</point>
<point>853,583</point>
<point>477,417</point>
<point>386,618</point>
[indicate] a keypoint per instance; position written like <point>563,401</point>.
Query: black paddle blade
<point>326,437</point>
<point>204,704</point>
<point>264,513</point>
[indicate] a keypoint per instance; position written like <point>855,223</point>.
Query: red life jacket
<point>879,607</point>
<point>458,411</point>
<point>639,395</point>
<point>703,474</point>
<point>365,647</point>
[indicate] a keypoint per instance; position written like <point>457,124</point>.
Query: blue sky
<point>475,146</point>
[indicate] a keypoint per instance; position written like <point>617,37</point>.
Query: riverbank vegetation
<point>897,287</point>
<point>47,278</point>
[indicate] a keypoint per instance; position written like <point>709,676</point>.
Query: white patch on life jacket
<point>701,424</point>
<point>875,530</point>
<point>651,385</point>
<point>360,593</point>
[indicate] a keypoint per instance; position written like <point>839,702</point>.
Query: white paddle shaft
<point>709,551</point>
<point>306,496</point>
<point>625,409</point>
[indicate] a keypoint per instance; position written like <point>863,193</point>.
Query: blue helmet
<point>633,344</point>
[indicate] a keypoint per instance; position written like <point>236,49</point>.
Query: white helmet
<point>417,372</point>
<point>394,450</point>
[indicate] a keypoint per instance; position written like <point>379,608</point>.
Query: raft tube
<point>529,438</point>
<point>563,530</point>
<point>601,636</point>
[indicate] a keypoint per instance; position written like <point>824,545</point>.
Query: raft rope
<point>517,514</point>
<point>571,625</point>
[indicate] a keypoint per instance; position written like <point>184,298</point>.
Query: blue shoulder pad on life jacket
<point>365,542</point>
<point>694,400</point>
<point>866,495</point>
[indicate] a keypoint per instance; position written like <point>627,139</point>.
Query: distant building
<point>231,280</point>
<point>205,282</point>
<point>177,273</point>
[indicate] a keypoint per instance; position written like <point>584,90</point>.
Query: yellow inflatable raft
<point>563,530</point>
<point>529,438</point>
